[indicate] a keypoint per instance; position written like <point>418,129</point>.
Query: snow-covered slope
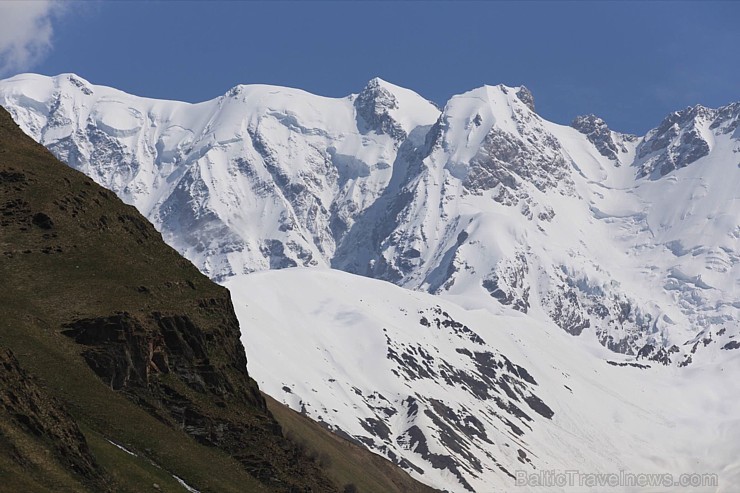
<point>466,400</point>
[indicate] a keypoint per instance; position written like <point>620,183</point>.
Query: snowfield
<point>466,407</point>
<point>470,290</point>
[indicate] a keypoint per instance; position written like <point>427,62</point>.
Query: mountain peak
<point>83,85</point>
<point>393,110</point>
<point>519,94</point>
<point>587,123</point>
<point>377,82</point>
<point>374,105</point>
<point>385,92</point>
<point>678,141</point>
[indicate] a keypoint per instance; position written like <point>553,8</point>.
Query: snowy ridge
<point>262,177</point>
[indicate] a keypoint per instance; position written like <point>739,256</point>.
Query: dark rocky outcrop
<point>596,130</point>
<point>373,105</point>
<point>526,97</point>
<point>131,354</point>
<point>660,355</point>
<point>675,143</point>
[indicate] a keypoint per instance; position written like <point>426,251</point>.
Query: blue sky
<point>629,62</point>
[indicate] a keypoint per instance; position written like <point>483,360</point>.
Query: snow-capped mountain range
<point>623,249</point>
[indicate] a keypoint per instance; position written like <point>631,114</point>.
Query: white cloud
<point>25,32</point>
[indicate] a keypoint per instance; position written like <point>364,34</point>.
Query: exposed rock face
<point>128,353</point>
<point>134,354</point>
<point>526,97</point>
<point>508,283</point>
<point>727,119</point>
<point>508,159</point>
<point>598,133</point>
<point>520,151</point>
<point>373,105</point>
<point>507,390</point>
<point>677,142</point>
